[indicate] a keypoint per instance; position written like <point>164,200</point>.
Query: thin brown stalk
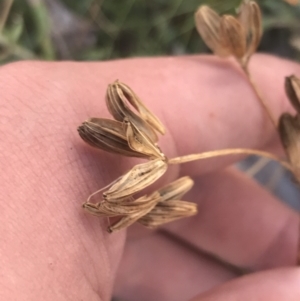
<point>226,152</point>
<point>259,96</point>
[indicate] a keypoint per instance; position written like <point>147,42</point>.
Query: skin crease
<point>51,250</point>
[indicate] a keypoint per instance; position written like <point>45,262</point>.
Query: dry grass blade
<point>208,24</point>
<point>165,212</point>
<point>289,131</point>
<point>292,89</point>
<point>140,142</point>
<point>108,135</point>
<point>117,105</point>
<point>138,178</point>
<point>233,36</point>
<point>145,113</point>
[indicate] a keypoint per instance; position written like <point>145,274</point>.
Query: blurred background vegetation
<point>106,29</point>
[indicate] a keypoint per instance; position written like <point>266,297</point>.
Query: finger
<point>158,268</point>
<point>50,249</point>
<point>206,103</point>
<point>281,284</point>
<point>240,222</point>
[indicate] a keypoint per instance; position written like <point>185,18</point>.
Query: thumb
<point>50,249</point>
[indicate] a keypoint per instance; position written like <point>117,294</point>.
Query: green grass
<point>106,29</point>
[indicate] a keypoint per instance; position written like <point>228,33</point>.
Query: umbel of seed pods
<point>134,133</point>
<point>236,36</point>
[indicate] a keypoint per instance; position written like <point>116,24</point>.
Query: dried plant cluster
<point>228,35</point>
<point>135,134</point>
<point>135,129</point>
<point>234,36</point>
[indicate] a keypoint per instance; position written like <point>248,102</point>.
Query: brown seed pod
<point>169,207</point>
<point>108,135</point>
<point>208,24</point>
<point>138,178</point>
<point>233,36</point>
<point>117,98</point>
<point>140,142</point>
<point>292,89</point>
<point>289,131</point>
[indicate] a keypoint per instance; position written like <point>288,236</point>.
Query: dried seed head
<point>233,36</point>
<point>138,178</point>
<point>228,35</point>
<point>108,135</point>
<point>251,20</point>
<point>289,131</point>
<point>292,89</point>
<point>208,24</point>
<point>169,207</point>
<point>160,207</point>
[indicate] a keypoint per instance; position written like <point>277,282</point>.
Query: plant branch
<point>227,152</point>
<point>258,95</point>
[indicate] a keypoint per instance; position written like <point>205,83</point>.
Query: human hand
<point>52,250</point>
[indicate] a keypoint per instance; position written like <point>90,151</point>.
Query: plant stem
<point>259,96</point>
<point>226,152</point>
